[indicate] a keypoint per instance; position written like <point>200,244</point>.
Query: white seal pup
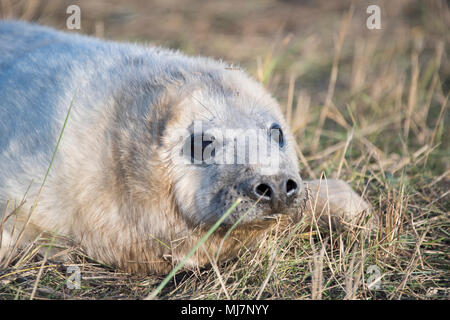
<point>121,185</point>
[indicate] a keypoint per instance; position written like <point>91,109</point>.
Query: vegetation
<point>366,106</point>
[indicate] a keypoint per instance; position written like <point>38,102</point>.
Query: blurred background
<point>317,57</point>
<point>288,45</point>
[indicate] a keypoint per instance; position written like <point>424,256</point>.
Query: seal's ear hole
<point>202,148</point>
<point>277,134</point>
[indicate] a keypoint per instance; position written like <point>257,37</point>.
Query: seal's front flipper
<point>336,202</point>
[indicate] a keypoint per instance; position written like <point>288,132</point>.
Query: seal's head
<point>231,141</point>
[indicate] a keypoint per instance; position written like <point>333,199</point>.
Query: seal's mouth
<point>257,214</point>
<point>298,212</point>
<point>250,212</point>
<point>274,216</point>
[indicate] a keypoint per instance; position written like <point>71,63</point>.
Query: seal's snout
<point>278,192</point>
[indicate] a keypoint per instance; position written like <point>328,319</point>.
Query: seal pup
<point>127,182</point>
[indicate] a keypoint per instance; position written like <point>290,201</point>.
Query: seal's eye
<point>202,148</point>
<point>277,134</point>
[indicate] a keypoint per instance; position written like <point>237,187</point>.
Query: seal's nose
<point>265,191</point>
<point>291,188</point>
<point>277,194</point>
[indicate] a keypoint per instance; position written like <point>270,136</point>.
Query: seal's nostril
<point>264,190</point>
<point>291,187</point>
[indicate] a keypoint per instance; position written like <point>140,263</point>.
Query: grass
<point>180,265</point>
<point>369,107</point>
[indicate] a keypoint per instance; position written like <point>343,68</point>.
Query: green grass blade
<point>193,250</point>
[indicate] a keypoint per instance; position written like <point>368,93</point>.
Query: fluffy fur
<point>117,187</point>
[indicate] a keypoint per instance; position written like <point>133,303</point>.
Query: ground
<point>368,106</point>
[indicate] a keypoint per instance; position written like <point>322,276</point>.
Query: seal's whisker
<point>205,107</point>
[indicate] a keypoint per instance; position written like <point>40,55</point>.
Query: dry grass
<point>367,106</point>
